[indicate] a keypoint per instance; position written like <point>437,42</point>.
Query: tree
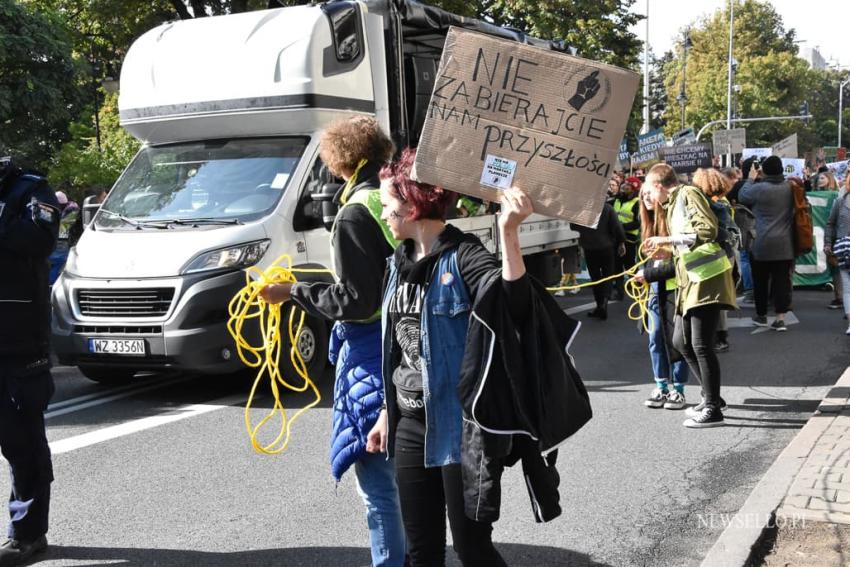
<point>81,164</point>
<point>39,90</point>
<point>773,80</point>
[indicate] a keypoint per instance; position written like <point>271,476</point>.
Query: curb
<point>735,545</point>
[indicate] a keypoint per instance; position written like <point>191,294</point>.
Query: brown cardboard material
<point>559,118</point>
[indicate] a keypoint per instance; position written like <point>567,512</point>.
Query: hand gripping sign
<point>504,113</point>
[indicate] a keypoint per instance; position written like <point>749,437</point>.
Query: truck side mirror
<point>326,197</point>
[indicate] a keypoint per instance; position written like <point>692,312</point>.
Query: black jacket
<point>522,397</point>
<point>29,226</point>
<point>607,235</point>
<point>360,253</point>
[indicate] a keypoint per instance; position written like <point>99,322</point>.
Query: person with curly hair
<point>356,149</point>
<point>716,185</point>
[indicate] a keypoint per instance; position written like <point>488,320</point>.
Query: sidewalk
<point>803,500</point>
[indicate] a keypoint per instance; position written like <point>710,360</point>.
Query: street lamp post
<point>683,97</point>
<point>841,107</point>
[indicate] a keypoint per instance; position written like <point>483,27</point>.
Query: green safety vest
<point>371,199</point>
<point>706,260</point>
<point>625,213</point>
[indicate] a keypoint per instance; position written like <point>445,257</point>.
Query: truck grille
<point>153,302</point>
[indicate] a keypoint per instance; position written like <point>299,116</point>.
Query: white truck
<point>229,110</point>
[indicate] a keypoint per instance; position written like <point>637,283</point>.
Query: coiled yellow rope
<point>247,305</point>
<point>638,292</point>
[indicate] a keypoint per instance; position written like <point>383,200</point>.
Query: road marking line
<point>130,427</point>
<point>585,307</point>
<point>99,398</point>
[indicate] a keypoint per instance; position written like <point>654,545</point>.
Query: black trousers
<point>773,277</point>
<point>694,336</point>
<point>624,262</point>
<point>23,399</point>
<point>600,264</point>
<point>426,495</point>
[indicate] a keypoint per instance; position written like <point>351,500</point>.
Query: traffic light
<point>804,111</point>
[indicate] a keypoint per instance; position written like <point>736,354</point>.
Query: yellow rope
<point>638,292</point>
<point>247,305</point>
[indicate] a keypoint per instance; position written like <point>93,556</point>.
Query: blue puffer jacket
<point>358,391</point>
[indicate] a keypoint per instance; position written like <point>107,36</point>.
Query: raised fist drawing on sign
<point>585,90</point>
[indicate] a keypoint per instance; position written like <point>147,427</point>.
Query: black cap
<point>772,165</point>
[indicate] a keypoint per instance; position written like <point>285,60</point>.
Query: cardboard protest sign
<point>648,146</point>
<point>793,167</point>
<point>687,159</point>
<point>729,141</point>
<point>786,148</point>
<point>503,113</point>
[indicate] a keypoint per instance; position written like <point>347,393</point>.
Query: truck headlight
<point>71,262</point>
<point>234,257</point>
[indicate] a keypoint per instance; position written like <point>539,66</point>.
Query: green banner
<point>811,268</point>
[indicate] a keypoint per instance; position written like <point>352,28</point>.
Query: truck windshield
<point>201,184</point>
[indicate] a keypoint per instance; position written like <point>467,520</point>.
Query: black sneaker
<point>835,304</point>
<point>598,313</point>
<point>779,325</point>
<point>17,552</point>
<point>760,321</point>
<point>721,346</point>
<point>697,409</point>
<point>708,417</point>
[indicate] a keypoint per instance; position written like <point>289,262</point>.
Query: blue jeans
<point>746,271</point>
<point>376,484</point>
<point>658,354</point>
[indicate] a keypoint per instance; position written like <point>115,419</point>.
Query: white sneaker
<point>575,291</point>
<point>847,332</point>
<point>675,400</point>
<point>560,293</point>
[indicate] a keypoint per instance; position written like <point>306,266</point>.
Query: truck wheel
<point>105,375</point>
<point>312,344</point>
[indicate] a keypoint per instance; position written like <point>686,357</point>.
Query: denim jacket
<point>444,324</point>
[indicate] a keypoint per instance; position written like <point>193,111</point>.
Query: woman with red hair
<point>433,278</point>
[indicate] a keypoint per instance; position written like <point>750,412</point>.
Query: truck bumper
<point>192,336</point>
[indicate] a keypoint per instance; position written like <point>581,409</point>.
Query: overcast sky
<point>824,24</point>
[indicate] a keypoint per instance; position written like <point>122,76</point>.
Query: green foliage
<point>773,80</point>
<point>81,165</point>
<point>39,87</point>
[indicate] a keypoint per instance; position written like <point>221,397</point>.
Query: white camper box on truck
<point>230,110</point>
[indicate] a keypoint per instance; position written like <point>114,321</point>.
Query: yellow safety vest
<point>706,260</point>
<point>625,213</point>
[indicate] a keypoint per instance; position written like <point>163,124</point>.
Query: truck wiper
<point>194,221</point>
<point>134,223</point>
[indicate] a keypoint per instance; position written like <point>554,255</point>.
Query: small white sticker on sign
<point>280,180</point>
<point>498,172</point>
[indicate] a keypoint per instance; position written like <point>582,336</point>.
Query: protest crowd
<point>452,362</point>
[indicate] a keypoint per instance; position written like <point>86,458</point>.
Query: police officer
<point>29,225</point>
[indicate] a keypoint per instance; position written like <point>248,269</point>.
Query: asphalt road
<point>162,472</point>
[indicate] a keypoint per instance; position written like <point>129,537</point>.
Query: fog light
<point>226,354</point>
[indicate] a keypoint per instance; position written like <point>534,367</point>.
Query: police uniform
<point>29,225</point>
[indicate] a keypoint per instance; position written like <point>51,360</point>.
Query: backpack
<point>804,239</point>
<point>746,222</point>
<point>728,233</point>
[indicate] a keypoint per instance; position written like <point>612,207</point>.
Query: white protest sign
<point>793,167</point>
<point>839,170</point>
<point>760,153</point>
